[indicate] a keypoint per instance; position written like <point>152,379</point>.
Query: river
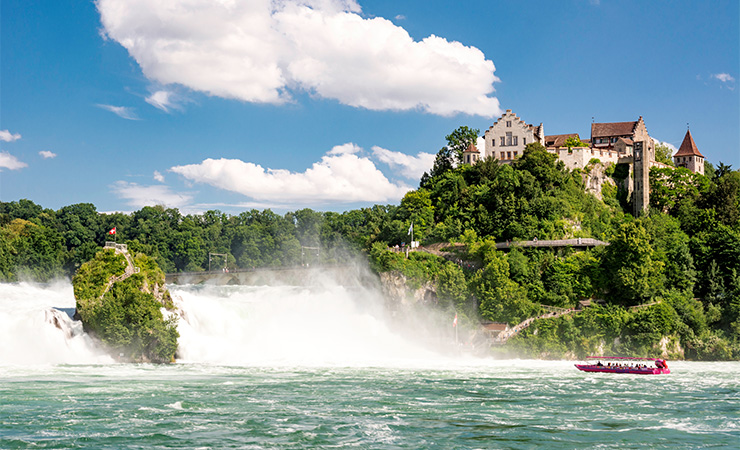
<point>296,368</point>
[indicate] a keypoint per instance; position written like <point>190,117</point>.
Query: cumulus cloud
<point>723,77</point>
<point>47,154</point>
<point>139,196</point>
<point>340,176</point>
<point>411,167</point>
<point>158,176</point>
<point>344,149</point>
<point>9,161</point>
<point>124,112</point>
<point>7,136</point>
<point>258,51</point>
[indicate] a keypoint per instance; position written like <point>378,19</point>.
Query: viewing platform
<point>577,242</point>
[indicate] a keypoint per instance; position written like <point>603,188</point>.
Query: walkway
<point>552,312</point>
<point>578,242</point>
<point>130,268</point>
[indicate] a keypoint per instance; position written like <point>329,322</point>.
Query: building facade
<point>507,137</point>
<point>689,156</point>
<point>611,142</point>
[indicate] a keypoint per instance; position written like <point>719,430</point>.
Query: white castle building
<point>611,142</point>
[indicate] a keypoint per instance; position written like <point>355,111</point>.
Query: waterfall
<point>36,327</point>
<point>223,325</point>
<point>279,326</point>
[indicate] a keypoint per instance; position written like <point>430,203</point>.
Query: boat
<point>619,364</point>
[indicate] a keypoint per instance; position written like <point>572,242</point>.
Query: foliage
<point>631,274</point>
<point>574,141</point>
<point>663,154</point>
<point>459,140</point>
<point>123,311</point>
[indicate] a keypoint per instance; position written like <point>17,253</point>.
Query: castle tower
<point>688,155</point>
<point>643,156</point>
<point>471,155</point>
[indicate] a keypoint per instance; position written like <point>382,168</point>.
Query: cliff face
<point>595,179</point>
<point>119,301</point>
<point>400,295</point>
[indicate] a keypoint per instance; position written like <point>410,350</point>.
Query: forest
<point>679,262</point>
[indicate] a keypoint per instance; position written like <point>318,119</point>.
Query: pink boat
<point>618,364</point>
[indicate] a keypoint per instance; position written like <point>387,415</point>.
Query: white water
<point>227,325</point>
<point>36,328</point>
<point>278,326</point>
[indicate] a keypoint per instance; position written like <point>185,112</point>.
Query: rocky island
<point>119,299</point>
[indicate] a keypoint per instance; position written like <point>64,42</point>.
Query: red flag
<point>112,231</point>
<point>454,322</point>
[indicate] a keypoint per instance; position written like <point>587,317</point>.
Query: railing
<point>577,242</point>
<point>113,245</point>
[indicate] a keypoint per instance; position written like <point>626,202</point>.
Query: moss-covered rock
<point>121,306</point>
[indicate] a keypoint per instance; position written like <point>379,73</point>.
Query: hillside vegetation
<point>682,259</point>
<point>123,309</point>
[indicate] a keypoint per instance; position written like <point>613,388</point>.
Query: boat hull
<point>605,369</point>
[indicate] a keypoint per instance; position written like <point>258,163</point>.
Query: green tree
<point>630,272</point>
<point>459,140</point>
<point>574,141</point>
<point>663,153</point>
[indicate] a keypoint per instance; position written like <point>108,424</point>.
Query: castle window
<point>515,153</point>
<point>508,138</point>
<point>503,141</point>
<point>508,123</point>
<point>516,140</point>
<point>493,142</point>
<point>508,155</point>
<point>502,155</point>
<point>525,141</point>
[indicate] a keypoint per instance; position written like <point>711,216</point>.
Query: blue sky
<point>333,104</point>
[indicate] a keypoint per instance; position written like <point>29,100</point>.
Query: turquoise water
<point>492,404</point>
<point>293,368</point>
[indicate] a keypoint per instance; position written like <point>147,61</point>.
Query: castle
<point>614,142</point>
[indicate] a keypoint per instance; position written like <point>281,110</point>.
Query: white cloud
<point>161,100</point>
<point>723,77</point>
<point>411,167</point>
<point>124,112</point>
<point>47,154</point>
<point>158,176</point>
<point>7,136</point>
<point>9,161</point>
<point>673,148</point>
<point>340,177</point>
<point>139,196</point>
<point>345,149</point>
<point>258,51</point>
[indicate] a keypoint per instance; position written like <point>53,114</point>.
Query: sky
<point>333,104</point>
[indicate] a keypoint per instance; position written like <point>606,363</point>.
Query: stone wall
<point>578,157</point>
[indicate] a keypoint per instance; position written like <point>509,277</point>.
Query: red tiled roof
<point>612,129</point>
<point>472,149</point>
<point>558,140</point>
<point>688,147</point>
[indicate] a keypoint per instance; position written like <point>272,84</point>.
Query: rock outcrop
<point>119,300</point>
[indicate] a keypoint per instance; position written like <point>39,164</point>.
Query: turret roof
<point>471,149</point>
<point>688,147</point>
